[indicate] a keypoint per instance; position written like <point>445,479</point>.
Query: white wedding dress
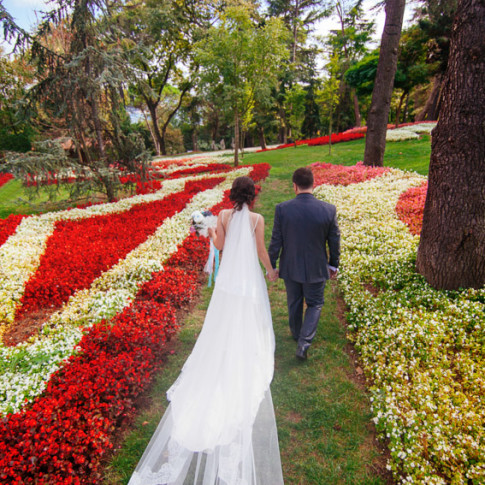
<point>220,428</point>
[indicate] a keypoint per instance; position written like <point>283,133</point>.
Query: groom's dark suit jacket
<point>303,228</point>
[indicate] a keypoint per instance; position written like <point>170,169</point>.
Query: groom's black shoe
<point>301,353</point>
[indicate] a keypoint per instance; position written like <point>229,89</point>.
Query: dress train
<point>220,428</point>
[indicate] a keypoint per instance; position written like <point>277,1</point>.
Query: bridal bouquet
<point>201,221</point>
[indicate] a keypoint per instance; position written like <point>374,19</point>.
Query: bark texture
<point>451,253</point>
<point>375,142</point>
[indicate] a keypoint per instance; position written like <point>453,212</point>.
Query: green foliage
<point>15,134</point>
<point>240,59</point>
<point>295,100</point>
<point>361,75</point>
<point>328,96</point>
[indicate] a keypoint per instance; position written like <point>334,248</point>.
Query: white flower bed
<point>410,132</point>
<point>423,349</point>
<point>26,368</point>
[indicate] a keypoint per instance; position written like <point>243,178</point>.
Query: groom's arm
<point>276,239</point>
<point>333,241</point>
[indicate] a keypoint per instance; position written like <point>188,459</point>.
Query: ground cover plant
<point>421,348</point>
<point>65,389</point>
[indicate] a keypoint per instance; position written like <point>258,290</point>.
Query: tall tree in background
<point>239,57</point>
<point>329,95</point>
<point>81,85</point>
<point>375,142</point>
<point>451,252</point>
<point>350,43</point>
<point>15,76</point>
<point>435,19</point>
<point>159,37</point>
<point>299,17</point>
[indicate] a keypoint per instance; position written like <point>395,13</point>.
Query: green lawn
<point>407,155</point>
<point>14,200</point>
<point>322,408</point>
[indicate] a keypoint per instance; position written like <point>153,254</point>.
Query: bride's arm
<point>262,252</point>
<point>218,235</point>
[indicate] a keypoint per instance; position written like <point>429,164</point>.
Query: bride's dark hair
<point>242,192</point>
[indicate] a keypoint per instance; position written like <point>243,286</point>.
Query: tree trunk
<point>358,118</point>
<point>236,137</point>
<point>330,133</point>
<point>451,252</point>
<point>398,111</point>
<point>109,188</point>
<point>375,141</point>
<point>431,108</point>
<point>262,138</point>
<point>152,107</point>
<point>283,134</point>
<point>98,129</point>
<point>295,31</point>
<point>195,144</point>
<point>154,138</point>
<point>406,109</point>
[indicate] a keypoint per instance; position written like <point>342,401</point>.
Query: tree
<point>412,69</point>
<point>329,95</point>
<point>299,17</point>
<point>240,57</point>
<point>15,75</point>
<point>295,97</point>
<point>350,42</point>
<point>435,19</point>
<point>90,67</point>
<point>159,37</point>
<point>375,142</point>
<point>451,252</point>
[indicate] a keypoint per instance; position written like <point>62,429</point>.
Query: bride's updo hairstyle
<point>242,192</point>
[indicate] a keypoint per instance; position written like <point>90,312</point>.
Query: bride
<point>220,428</point>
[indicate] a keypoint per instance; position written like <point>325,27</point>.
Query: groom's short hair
<point>303,178</point>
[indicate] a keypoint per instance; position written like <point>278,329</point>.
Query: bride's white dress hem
<point>219,427</point>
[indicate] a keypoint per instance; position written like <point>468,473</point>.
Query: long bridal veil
<point>219,427</point>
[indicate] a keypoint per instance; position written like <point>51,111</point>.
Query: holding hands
<point>272,275</point>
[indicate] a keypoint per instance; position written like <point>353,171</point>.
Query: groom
<point>303,228</point>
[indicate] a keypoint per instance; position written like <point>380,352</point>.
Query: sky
<point>24,13</point>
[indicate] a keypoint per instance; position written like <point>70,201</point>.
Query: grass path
<point>322,408</point>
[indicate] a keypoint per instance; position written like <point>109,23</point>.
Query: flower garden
<point>109,280</point>
<point>422,349</point>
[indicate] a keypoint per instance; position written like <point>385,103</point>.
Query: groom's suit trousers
<point>304,329</point>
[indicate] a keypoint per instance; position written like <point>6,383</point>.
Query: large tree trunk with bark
<point>451,252</point>
<point>375,142</point>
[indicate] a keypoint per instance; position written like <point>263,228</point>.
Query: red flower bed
<point>5,177</point>
<point>163,287</point>
<point>322,140</point>
<point>8,226</point>
<point>363,129</point>
<point>260,171</point>
<point>63,437</point>
<point>210,167</point>
<point>410,207</point>
<point>178,161</point>
<point>81,250</point>
<point>336,138</point>
<point>326,173</point>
